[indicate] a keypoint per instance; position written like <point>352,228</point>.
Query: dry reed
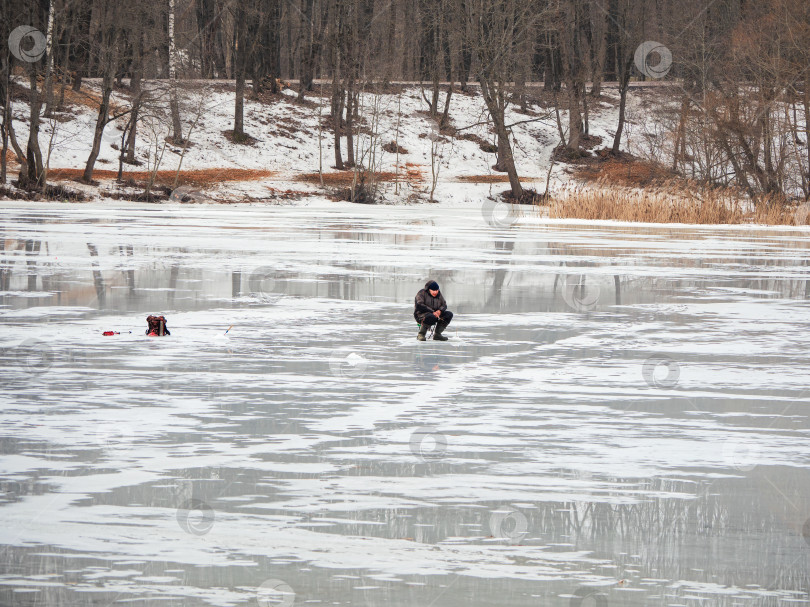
<point>707,206</point>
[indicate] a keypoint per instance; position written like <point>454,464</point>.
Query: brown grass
<point>412,174</point>
<point>653,207</point>
<point>624,171</point>
<point>491,179</point>
<point>774,211</point>
<point>708,206</point>
<point>201,177</point>
<point>89,99</point>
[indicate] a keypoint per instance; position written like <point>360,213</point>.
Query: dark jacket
<point>425,303</point>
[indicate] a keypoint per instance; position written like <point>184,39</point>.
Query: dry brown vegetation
<point>392,148</point>
<point>624,171</point>
<point>709,206</point>
<point>625,188</point>
<point>412,174</point>
<point>495,178</point>
<point>200,177</point>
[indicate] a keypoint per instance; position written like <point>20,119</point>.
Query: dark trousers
<point>431,320</point>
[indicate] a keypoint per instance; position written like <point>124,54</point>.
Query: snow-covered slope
<point>289,142</point>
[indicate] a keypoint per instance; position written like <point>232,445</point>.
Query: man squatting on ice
<point>429,309</point>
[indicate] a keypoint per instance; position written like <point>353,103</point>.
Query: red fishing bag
<point>157,326</point>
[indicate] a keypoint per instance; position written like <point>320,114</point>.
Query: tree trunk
<point>263,36</point>
<point>5,95</point>
<point>47,87</point>
<point>336,40</point>
<point>224,70</point>
<point>129,157</point>
<point>9,136</point>
<point>307,53</point>
<point>239,105</point>
<point>617,139</point>
<point>806,104</point>
<point>101,122</point>
<point>350,109</point>
<point>624,85</point>
<point>79,35</point>
<point>574,117</point>
<point>135,89</point>
<point>338,95</point>
<point>495,99</point>
<point>680,134</point>
<point>177,127</point>
<point>207,26</point>
<point>239,64</point>
<point>508,160</point>
<point>600,55</point>
<point>585,111</point>
<point>466,49</point>
<point>12,137</point>
<point>574,44</point>
<point>390,44</point>
<point>446,113</point>
<point>503,153</point>
<point>34,173</point>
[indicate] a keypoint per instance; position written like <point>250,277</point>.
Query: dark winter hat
<point>433,285</point>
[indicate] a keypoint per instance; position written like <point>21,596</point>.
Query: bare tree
<point>240,62</point>
<point>110,19</point>
<point>313,25</point>
<point>497,29</point>
<point>32,173</point>
<point>174,104</point>
<point>264,36</point>
<point>337,20</point>
<point>573,22</point>
<point>624,21</point>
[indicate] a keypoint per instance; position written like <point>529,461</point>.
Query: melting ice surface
<point>620,417</point>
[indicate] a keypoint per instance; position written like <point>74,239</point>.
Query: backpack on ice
<point>157,326</point>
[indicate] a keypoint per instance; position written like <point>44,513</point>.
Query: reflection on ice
<point>619,418</point>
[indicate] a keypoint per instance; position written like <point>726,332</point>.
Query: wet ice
<point>620,414</point>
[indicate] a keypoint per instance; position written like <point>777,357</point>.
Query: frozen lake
<point>620,417</point>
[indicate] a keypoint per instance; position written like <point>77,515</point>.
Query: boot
<point>422,331</point>
<point>437,335</point>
